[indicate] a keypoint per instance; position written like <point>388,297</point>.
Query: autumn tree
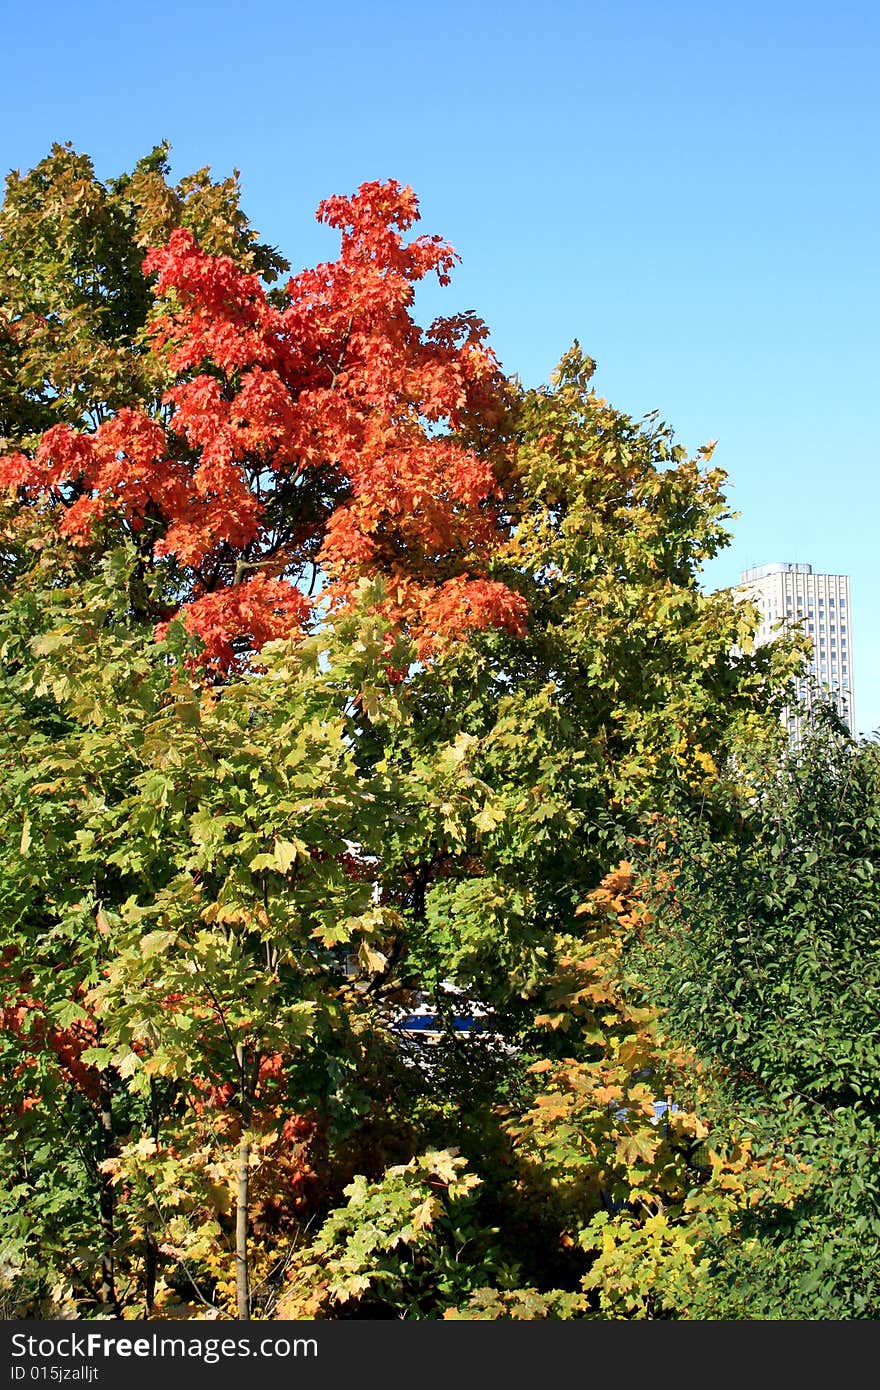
<point>319,428</point>
<point>337,670</point>
<point>214,453</point>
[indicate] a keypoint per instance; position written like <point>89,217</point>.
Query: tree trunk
<point>247,1086</point>
<point>151,1267</point>
<point>242,1283</point>
<point>107,1198</point>
<point>151,1250</point>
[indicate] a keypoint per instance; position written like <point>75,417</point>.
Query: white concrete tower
<point>790,597</point>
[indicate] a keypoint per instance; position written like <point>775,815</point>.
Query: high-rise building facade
<point>789,598</point>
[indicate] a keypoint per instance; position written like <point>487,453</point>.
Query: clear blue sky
<point>690,189</point>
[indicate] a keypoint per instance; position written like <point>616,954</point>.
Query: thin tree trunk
<point>242,1196</point>
<point>151,1247</point>
<point>107,1198</point>
<point>151,1268</point>
<point>247,1086</point>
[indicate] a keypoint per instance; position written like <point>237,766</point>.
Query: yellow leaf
<point>371,960</point>
<point>127,1063</point>
<point>632,1147</point>
<point>285,854</point>
<point>487,819</point>
<point>424,1214</point>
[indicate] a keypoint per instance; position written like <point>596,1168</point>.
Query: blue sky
<point>690,189</point>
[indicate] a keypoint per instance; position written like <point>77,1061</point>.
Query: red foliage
<point>325,430</point>
<point>290,1183</point>
<point>25,1019</point>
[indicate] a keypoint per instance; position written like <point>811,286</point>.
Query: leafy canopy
<point>336,671</point>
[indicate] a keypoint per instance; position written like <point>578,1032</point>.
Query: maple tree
<point>211,452</point>
<point>319,431</point>
<point>338,671</point>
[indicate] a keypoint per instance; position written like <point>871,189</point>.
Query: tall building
<point>790,597</point>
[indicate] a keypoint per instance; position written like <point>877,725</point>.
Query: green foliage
<point>614,526</point>
<point>518,1305</point>
<point>406,1246</point>
<point>73,295</point>
<point>765,949</point>
<point>177,888</point>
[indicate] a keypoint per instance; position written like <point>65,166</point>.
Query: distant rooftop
<point>778,567</point>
